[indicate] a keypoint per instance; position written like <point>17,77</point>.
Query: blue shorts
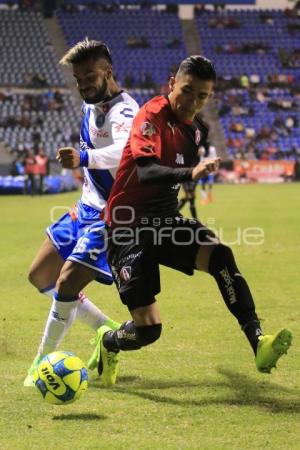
<point>209,179</point>
<point>80,236</point>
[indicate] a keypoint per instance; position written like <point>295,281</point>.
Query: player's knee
<point>148,334</point>
<point>221,256</point>
<point>64,283</point>
<point>34,277</point>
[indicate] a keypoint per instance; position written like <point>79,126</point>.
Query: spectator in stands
<point>236,127</point>
<point>244,80</point>
<point>137,42</point>
<point>146,81</point>
<point>41,168</point>
<point>29,169</point>
<point>173,42</point>
<point>254,80</point>
<point>266,18</point>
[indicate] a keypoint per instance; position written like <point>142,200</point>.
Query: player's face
<point>92,76</point>
<point>188,95</point>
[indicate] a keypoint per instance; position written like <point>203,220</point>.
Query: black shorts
<point>189,186</point>
<point>136,253</point>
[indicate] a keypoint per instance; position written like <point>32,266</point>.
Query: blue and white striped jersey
<point>105,128</point>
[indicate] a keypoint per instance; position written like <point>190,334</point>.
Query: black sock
<point>235,292</point>
<point>252,331</point>
<point>125,338</point>
<point>193,208</point>
<point>131,337</point>
<point>181,203</point>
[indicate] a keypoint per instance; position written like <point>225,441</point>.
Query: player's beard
<point>99,96</point>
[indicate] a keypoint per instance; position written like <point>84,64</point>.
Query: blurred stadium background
<point>255,45</point>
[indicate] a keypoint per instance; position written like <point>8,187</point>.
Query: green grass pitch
<point>197,387</point>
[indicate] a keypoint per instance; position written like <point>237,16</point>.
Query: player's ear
<point>109,73</point>
<point>172,84</point>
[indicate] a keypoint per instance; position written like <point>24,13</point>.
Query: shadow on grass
<point>241,390</point>
<point>84,416</point>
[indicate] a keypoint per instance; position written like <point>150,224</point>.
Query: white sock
<point>87,312</point>
<point>49,292</point>
<point>61,316</point>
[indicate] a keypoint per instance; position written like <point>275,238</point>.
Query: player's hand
<point>68,157</point>
<point>206,167</point>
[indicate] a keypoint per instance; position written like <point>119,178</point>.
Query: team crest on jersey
<point>197,136</point>
<point>147,129</point>
<point>100,119</point>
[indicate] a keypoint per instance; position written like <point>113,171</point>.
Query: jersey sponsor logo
<point>179,158</point>
<point>147,129</point>
<point>197,136</point>
<point>100,119</point>
<point>99,133</point>
<point>127,112</point>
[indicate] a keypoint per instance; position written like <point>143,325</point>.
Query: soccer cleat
<point>29,380</point>
<point>93,361</point>
<point>270,348</point>
<point>106,362</point>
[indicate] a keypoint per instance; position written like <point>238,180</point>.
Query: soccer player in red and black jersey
<point>146,230</point>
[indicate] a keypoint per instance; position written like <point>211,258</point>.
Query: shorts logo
<point>197,136</point>
<point>147,129</point>
<point>179,158</point>
<point>125,273</point>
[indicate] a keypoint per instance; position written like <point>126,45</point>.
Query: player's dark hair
<point>198,66</point>
<point>86,49</point>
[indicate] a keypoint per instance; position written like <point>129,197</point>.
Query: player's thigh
<point>203,257</point>
<point>146,315</point>
<point>187,246</point>
<point>73,278</point>
<point>46,266</point>
<point>135,268</point>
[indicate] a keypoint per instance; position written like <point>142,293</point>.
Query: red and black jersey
<point>156,133</point>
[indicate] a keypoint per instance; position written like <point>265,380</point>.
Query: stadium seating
<point>26,50</point>
<point>54,126</point>
<point>221,43</point>
<point>115,28</point>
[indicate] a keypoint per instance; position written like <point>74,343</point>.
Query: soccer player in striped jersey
<point>161,153</point>
<point>73,253</point>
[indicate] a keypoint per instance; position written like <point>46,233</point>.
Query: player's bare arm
<point>205,168</point>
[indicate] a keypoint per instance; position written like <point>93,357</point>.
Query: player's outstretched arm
<point>205,168</point>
